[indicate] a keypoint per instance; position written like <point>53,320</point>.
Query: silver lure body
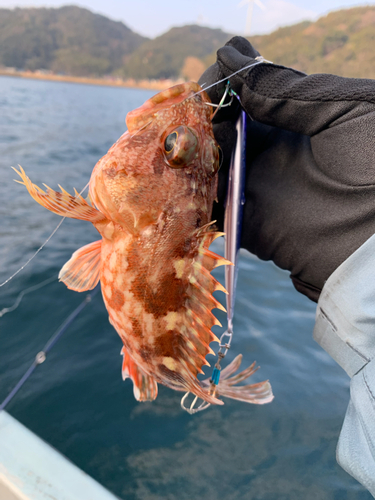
<point>233,214</point>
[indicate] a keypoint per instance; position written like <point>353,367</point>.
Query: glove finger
<point>291,100</point>
<point>243,46</point>
<point>230,60</point>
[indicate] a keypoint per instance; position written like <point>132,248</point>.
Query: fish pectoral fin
<point>64,204</point>
<point>82,271</point>
<point>145,387</point>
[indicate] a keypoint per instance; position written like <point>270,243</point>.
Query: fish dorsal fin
<point>145,388</point>
<point>197,319</point>
<point>82,271</point>
<point>138,118</point>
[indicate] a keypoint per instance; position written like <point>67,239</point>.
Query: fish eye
<point>170,142</point>
<point>180,147</point>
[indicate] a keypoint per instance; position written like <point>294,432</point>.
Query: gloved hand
<point>310,180</point>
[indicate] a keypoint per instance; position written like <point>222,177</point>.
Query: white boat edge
<point>30,469</point>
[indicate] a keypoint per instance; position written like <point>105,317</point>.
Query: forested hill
<point>69,40</point>
<point>75,41</point>
<point>342,43</point>
<point>170,54</point>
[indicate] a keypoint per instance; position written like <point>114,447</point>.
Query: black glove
<point>310,180</point>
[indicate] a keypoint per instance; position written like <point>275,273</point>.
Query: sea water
<point>77,401</point>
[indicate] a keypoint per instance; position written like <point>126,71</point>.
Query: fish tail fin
<point>259,393</point>
<point>206,396</point>
<point>64,204</point>
<point>145,387</point>
<point>194,386</point>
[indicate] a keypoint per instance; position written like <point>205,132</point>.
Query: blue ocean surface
<point>77,401</point>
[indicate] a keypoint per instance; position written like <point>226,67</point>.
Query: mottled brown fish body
<point>151,199</point>
<point>153,250</point>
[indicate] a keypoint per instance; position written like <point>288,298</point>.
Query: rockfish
<point>150,198</point>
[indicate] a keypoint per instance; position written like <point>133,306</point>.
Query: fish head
<point>167,156</point>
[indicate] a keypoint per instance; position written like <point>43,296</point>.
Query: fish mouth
<point>140,117</point>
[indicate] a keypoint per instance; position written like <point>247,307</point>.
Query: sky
<point>154,17</point>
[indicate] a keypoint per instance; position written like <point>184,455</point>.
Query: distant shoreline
<point>104,82</point>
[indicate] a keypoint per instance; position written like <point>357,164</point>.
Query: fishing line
<point>258,60</point>
<point>41,356</point>
<point>35,254</point>
<point>40,248</point>
<point>6,310</point>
